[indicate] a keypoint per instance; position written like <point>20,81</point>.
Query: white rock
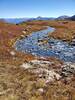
<point>24,32</point>
<point>47,81</point>
<point>68,68</point>
<point>22,36</point>
<point>52,75</point>
<point>41,90</point>
<point>26,65</point>
<point>42,57</point>
<point>69,64</point>
<point>41,62</point>
<point>12,53</point>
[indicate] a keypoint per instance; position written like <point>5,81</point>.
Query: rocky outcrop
<point>68,69</point>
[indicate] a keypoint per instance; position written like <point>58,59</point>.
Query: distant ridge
<point>15,20</point>
<point>20,20</point>
<point>44,18</point>
<point>62,17</point>
<point>72,18</point>
<point>2,20</point>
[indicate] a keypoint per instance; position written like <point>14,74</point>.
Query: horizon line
<point>34,17</point>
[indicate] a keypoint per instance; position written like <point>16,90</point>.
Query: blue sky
<point>34,8</point>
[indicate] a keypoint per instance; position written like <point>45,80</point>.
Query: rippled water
<point>56,48</point>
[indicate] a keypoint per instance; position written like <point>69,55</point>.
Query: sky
<point>34,8</point>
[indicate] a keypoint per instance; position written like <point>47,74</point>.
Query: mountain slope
<point>72,18</point>
<point>62,17</point>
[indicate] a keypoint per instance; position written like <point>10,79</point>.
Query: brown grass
<point>16,83</point>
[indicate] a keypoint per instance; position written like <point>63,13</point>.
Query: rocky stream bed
<point>35,44</point>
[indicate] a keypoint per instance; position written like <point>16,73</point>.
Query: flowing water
<point>35,45</point>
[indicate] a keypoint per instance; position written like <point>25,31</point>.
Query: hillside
<point>24,76</point>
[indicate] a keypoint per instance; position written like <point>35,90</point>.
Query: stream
<point>35,44</point>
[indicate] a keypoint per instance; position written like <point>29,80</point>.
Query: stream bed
<point>35,44</point>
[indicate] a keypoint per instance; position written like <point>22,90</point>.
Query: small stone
<point>12,53</point>
<point>24,32</point>
<point>41,90</point>
<point>26,65</point>
<point>47,81</point>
